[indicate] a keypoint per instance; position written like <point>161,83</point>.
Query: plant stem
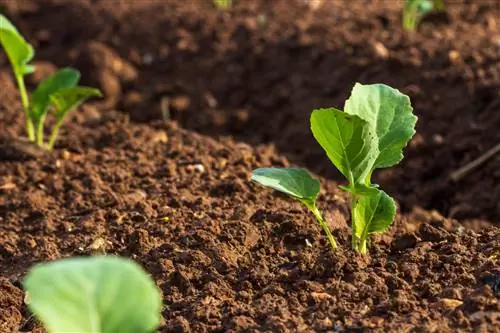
<point>362,246</point>
<point>39,131</point>
<point>358,243</point>
<point>323,225</point>
<point>26,105</point>
<point>53,135</point>
<point>354,238</point>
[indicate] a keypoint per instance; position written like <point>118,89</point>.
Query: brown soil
<point>227,254</point>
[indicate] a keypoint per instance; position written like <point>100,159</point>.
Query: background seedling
<point>58,93</point>
<point>299,184</point>
<point>371,132</point>
<point>223,4</point>
<point>93,295</point>
<point>415,10</point>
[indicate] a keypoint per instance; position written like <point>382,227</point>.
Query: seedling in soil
<point>223,4</point>
<point>415,10</point>
<point>93,295</point>
<point>299,184</point>
<point>58,93</point>
<point>371,132</point>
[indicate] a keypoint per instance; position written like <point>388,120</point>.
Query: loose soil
<point>238,87</point>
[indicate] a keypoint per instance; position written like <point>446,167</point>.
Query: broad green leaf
<point>361,189</point>
<point>67,99</point>
<point>18,50</point>
<point>348,141</point>
<point>40,100</point>
<point>373,213</point>
<point>94,295</point>
<point>297,183</point>
<point>389,113</point>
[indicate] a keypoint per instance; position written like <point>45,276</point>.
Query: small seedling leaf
<point>94,295</point>
<point>361,189</point>
<point>40,100</point>
<point>297,183</point>
<point>389,113</point>
<point>67,99</point>
<point>348,140</point>
<point>18,50</point>
<point>373,214</point>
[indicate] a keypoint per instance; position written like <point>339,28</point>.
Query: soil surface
<point>195,98</point>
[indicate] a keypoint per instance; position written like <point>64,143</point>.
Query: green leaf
<point>94,295</point>
<point>348,141</point>
<point>40,100</point>
<point>67,99</point>
<point>18,50</point>
<point>361,189</point>
<point>389,113</point>
<point>297,183</point>
<point>223,4</point>
<point>372,214</point>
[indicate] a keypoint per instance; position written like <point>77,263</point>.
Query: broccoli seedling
<point>58,93</point>
<point>223,4</point>
<point>300,185</point>
<point>371,132</point>
<point>415,10</point>
<point>95,295</point>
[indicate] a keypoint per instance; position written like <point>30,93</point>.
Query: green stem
<point>53,135</point>
<point>362,246</point>
<point>323,225</point>
<point>26,105</point>
<point>354,238</point>
<point>39,131</point>
<point>358,243</point>
<point>410,20</point>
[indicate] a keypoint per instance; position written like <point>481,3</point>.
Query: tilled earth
<point>227,254</point>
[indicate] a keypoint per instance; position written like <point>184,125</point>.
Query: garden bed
<point>175,195</point>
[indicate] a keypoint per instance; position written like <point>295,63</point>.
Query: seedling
<point>371,132</point>
<point>58,94</point>
<point>93,295</point>
<point>223,4</point>
<point>415,10</point>
<point>299,184</point>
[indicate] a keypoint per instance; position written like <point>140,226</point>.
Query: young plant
<point>300,185</point>
<point>93,295</point>
<point>371,132</point>
<point>58,93</point>
<point>223,4</point>
<point>415,10</point>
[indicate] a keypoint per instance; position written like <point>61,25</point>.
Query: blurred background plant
<point>415,10</point>
<point>223,4</point>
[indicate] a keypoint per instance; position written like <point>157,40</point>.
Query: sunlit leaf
<point>348,141</point>
<point>94,295</point>
<point>40,100</point>
<point>389,113</point>
<point>67,99</point>
<point>19,52</point>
